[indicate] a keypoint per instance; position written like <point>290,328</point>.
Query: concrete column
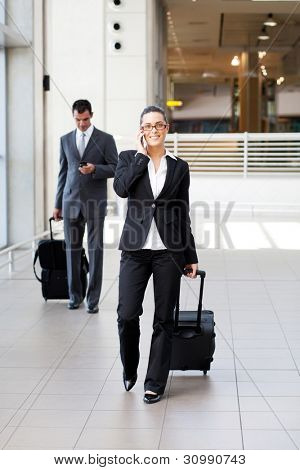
<point>250,94</point>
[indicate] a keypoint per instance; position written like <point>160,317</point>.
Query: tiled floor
<point>60,372</point>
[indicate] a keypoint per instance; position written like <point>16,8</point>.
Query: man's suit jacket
<point>170,209</point>
<point>85,193</point>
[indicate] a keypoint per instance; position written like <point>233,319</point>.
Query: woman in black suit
<point>156,239</point>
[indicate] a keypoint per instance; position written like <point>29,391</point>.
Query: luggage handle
<point>51,231</point>
<point>84,261</point>
<point>202,275</point>
<point>50,223</point>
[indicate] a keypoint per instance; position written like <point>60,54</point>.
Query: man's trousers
<point>74,231</point>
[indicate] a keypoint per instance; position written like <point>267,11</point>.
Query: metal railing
<point>11,259</point>
<point>27,246</point>
<point>243,153</point>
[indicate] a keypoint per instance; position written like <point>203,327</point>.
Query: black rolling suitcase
<point>194,336</point>
<point>53,261</point>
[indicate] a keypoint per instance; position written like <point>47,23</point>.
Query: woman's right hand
<point>140,143</point>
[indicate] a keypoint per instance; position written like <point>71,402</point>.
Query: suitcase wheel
<point>205,372</point>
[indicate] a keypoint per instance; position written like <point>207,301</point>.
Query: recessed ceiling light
<point>280,80</point>
<point>263,36</point>
<point>261,54</point>
<point>235,61</point>
<point>270,21</point>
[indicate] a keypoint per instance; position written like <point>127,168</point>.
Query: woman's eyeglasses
<point>159,126</point>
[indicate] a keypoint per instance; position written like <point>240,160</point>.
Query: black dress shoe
<point>91,309</point>
<point>150,398</point>
<point>73,305</point>
<point>129,383</point>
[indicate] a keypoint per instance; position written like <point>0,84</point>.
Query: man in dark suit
<point>156,239</point>
<point>88,157</point>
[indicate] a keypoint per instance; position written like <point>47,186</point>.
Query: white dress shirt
<point>157,181</point>
<point>87,135</point>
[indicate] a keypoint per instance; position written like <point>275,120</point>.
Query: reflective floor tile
<point>23,373</point>
<point>149,418</point>
<point>290,419</point>
<point>273,376</point>
<point>64,402</point>
<point>268,440</point>
<point>5,418</point>
<point>277,389</point>
<point>69,387</point>
<point>43,438</point>
<point>260,420</point>
<point>55,418</point>
<point>12,400</point>
<point>295,435</point>
<point>71,375</point>
<point>201,420</point>
<point>127,401</point>
<point>94,438</point>
<point>5,435</point>
<point>253,404</point>
<point>202,386</point>
<point>17,386</point>
<point>207,403</point>
<point>202,439</point>
<point>284,403</point>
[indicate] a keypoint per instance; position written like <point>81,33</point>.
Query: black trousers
<point>135,270</point>
<point>74,232</point>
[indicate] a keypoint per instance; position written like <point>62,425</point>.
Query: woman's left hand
<point>193,267</point>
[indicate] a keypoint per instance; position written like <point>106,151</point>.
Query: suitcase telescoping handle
<point>202,275</point>
<point>50,224</point>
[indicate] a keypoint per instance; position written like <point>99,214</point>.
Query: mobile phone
<point>143,142</point>
<point>83,164</point>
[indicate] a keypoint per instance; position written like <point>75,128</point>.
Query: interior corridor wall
<point>83,62</point>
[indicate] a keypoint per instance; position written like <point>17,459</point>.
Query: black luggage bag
<point>194,336</point>
<point>53,261</point>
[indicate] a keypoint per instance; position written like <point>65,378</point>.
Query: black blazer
<point>170,209</point>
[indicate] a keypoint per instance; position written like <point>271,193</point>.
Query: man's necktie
<point>81,145</point>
